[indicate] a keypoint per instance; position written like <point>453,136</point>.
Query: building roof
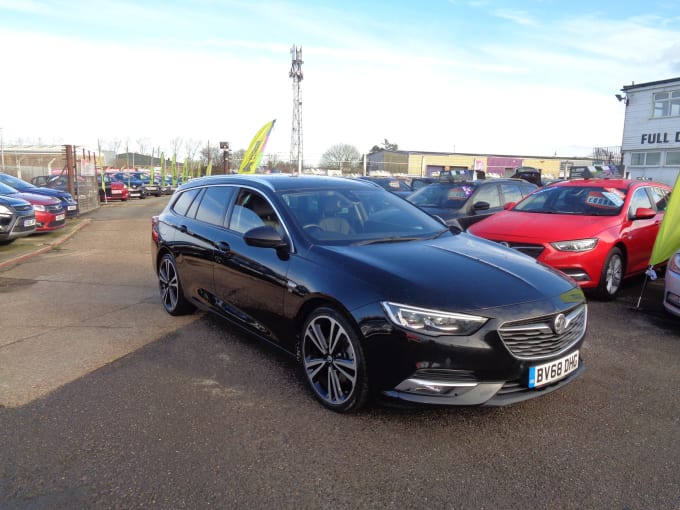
<point>626,88</point>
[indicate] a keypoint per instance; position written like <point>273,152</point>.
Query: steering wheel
<point>312,226</point>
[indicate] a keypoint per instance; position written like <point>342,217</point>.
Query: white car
<point>671,299</point>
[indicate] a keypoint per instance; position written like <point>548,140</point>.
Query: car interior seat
<point>330,208</point>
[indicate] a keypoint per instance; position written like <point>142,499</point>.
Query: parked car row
<point>599,231</point>
<point>23,213</point>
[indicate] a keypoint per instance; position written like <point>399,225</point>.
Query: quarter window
<point>184,200</point>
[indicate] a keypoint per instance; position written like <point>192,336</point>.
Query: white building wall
<point>645,137</point>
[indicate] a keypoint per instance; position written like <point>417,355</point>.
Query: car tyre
<point>612,275</point>
<point>170,287</point>
<point>333,362</point>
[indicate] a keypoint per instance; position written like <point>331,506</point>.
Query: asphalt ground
<point>108,402</point>
<point>77,298</point>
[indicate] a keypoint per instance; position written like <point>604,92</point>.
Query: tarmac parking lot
<point>106,401</point>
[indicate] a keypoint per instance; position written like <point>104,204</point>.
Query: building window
<point>667,104</point>
<point>673,158</point>
<point>645,158</point>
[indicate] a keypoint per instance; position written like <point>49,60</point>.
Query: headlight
<point>575,245</point>
<point>39,207</point>
<point>674,263</point>
<point>433,321</point>
<point>5,210</point>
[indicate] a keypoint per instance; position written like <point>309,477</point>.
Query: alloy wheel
<point>330,360</point>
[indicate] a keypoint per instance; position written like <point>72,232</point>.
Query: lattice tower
<point>296,132</point>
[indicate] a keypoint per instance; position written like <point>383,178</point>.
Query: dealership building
<point>651,131</point>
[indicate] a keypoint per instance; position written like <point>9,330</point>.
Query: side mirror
<point>265,237</point>
<point>509,205</point>
<point>643,213</point>
<point>481,206</point>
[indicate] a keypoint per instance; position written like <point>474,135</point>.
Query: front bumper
<point>473,393</point>
<point>507,361</point>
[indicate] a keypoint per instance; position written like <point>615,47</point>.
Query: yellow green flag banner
<point>208,171</point>
<point>162,168</point>
<point>252,157</point>
<point>668,238</point>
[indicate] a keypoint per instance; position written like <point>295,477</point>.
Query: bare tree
<point>175,144</point>
<point>211,153</point>
<point>142,145</point>
<point>190,147</point>
<point>341,157</point>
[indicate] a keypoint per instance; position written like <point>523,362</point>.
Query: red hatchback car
<point>598,231</point>
<point>49,212</point>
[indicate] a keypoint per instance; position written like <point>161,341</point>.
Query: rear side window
<point>184,201</point>
<point>214,203</point>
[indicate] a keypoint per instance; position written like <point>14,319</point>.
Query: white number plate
<point>29,223</point>
<point>59,217</point>
<point>72,207</point>
<point>553,371</point>
<point>116,192</point>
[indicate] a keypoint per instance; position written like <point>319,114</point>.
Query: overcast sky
<point>533,77</point>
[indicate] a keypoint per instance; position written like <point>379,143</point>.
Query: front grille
<point>444,375</point>
<point>56,223</point>
<point>26,207</point>
<point>533,250</point>
<point>536,338</point>
<point>55,209</point>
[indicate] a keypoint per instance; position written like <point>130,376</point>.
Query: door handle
<point>223,246</point>
<point>183,229</point>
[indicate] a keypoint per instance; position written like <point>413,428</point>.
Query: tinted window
<point>488,193</point>
<point>191,213</point>
<point>659,197</point>
<point>450,196</point>
<point>252,210</point>
<point>184,200</point>
<point>583,200</point>
<point>639,199</point>
<point>512,192</point>
<point>214,204</point>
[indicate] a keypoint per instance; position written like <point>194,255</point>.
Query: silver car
<point>671,294</point>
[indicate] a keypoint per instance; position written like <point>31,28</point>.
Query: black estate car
<point>462,203</point>
<point>371,294</point>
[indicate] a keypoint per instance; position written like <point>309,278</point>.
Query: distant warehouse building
<point>428,164</point>
<point>651,130</point>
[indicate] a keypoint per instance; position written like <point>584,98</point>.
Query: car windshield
<point>449,196</point>
<point>578,200</point>
<point>359,216</point>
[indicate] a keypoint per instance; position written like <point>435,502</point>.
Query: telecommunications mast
<point>296,133</point>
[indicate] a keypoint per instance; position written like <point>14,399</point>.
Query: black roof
<point>283,182</point>
<point>626,88</point>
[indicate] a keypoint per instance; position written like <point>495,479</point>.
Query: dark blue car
<point>66,199</point>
